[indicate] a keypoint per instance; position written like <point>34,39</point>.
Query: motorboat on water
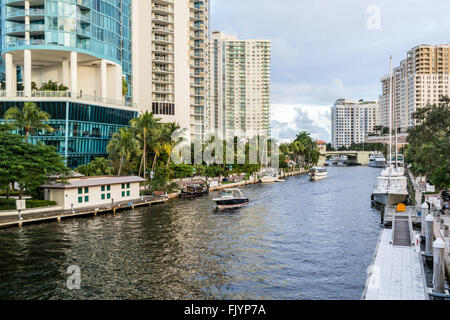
<point>193,191</point>
<point>230,199</point>
<point>318,173</point>
<point>391,187</point>
<point>377,161</point>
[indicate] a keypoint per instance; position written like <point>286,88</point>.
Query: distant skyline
<point>326,50</point>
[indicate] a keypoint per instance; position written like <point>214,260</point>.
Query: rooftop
<point>81,182</point>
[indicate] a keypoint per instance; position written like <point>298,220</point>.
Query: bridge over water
<point>354,157</point>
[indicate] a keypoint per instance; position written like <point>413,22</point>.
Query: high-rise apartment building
<point>169,55</point>
<point>421,79</point>
<point>239,86</point>
<point>85,46</point>
<point>351,121</point>
<point>91,48</point>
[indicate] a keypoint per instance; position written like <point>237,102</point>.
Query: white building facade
<point>169,60</point>
<point>351,121</point>
<point>239,86</point>
<point>420,80</point>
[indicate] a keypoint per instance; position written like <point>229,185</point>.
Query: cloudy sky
<point>323,50</point>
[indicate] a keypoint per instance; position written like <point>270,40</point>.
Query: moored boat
<point>318,173</point>
<point>230,199</point>
<point>377,161</point>
<point>391,187</point>
<point>193,191</point>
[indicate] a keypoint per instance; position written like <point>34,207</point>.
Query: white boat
<point>318,173</point>
<point>391,187</point>
<point>269,179</point>
<point>377,161</point>
<point>400,161</point>
<point>342,160</point>
<point>231,199</point>
<point>392,184</point>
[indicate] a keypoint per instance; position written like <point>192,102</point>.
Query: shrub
<point>10,204</point>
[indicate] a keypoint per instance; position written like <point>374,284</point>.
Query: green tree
<point>30,165</point>
<point>97,167</point>
<point>122,146</point>
<point>124,87</point>
<point>428,151</point>
<point>145,128</point>
<point>29,119</point>
<point>51,85</point>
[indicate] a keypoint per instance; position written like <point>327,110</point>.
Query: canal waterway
<point>296,240</point>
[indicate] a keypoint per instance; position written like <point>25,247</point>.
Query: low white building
<point>82,192</point>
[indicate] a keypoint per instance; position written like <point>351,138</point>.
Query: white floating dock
<point>396,273</point>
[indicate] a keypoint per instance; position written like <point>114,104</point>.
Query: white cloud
<point>288,120</point>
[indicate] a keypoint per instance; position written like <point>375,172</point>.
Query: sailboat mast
<point>390,118</point>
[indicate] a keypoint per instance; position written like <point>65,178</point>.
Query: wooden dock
<point>7,222</point>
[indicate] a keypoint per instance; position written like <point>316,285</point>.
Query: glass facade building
<point>85,45</point>
<point>81,131</point>
<point>100,28</point>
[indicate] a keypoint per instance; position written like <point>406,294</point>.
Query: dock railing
<point>411,212</point>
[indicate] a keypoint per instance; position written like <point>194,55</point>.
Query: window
<point>128,193</point>
<point>103,188</point>
<point>123,193</point>
<point>103,196</point>
<point>80,199</point>
<point>80,190</point>
<point>86,199</point>
<point>86,190</point>
<point>108,196</point>
<point>123,185</point>
<point>108,188</point>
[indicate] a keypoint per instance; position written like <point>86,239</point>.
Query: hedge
<point>10,204</point>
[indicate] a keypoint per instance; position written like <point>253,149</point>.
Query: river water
<point>297,240</point>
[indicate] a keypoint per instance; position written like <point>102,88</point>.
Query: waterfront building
<point>420,80</point>
<point>84,46</point>
<point>239,86</point>
<point>322,145</point>
<point>351,121</point>
<point>169,56</point>
<point>82,192</point>
<point>113,60</point>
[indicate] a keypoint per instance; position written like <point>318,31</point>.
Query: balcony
<point>55,95</point>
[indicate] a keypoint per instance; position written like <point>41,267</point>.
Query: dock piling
<point>438,266</point>
<point>424,213</point>
<point>429,235</point>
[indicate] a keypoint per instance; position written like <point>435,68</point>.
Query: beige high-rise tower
<point>239,86</point>
<point>421,79</point>
<point>169,55</point>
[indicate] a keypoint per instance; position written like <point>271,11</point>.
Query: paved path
<point>396,272</point>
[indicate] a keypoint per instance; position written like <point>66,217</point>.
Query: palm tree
<point>168,145</point>
<point>29,119</point>
<point>122,145</point>
<point>144,128</point>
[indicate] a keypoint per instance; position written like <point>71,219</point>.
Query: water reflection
<point>296,240</point>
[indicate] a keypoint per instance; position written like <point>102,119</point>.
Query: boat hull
<point>268,179</point>
<point>377,164</point>
<point>317,177</point>
<point>390,199</point>
<point>231,203</point>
